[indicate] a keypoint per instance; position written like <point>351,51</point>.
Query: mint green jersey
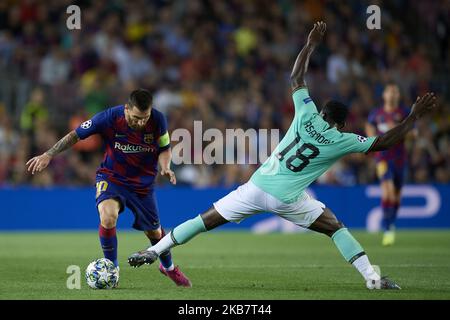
<point>308,149</point>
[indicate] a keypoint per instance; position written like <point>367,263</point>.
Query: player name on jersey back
<point>309,148</point>
<point>309,128</point>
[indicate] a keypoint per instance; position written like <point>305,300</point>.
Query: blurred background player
<point>390,164</point>
<point>136,139</point>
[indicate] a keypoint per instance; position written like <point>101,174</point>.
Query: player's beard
<point>134,126</point>
<point>137,127</point>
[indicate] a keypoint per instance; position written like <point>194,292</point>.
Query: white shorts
<point>248,200</point>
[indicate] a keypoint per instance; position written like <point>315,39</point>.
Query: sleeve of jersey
<point>354,143</point>
<point>302,102</point>
<point>92,126</point>
<point>164,138</point>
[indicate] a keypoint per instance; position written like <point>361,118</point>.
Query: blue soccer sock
<point>108,241</point>
<point>389,214</point>
<point>165,257</point>
<point>394,216</point>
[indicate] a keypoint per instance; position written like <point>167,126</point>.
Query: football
<point>102,274</point>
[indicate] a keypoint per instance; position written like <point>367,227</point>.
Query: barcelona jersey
<point>383,121</point>
<point>131,156</point>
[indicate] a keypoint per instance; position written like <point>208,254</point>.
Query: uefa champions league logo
<point>86,125</point>
<point>362,139</point>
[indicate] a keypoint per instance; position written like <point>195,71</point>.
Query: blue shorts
<point>144,207</point>
<point>388,170</point>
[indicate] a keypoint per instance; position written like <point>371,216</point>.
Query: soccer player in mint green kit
<point>311,146</point>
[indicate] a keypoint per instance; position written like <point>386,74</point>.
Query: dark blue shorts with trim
<point>144,207</point>
<point>388,170</point>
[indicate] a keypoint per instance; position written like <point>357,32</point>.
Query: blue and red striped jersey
<point>131,156</point>
<point>384,121</point>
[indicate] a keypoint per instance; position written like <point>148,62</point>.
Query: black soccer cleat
<point>386,283</point>
<point>142,257</point>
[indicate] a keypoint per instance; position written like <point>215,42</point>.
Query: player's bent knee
<point>108,221</point>
<point>154,234</point>
<point>340,225</point>
<point>109,212</point>
<point>335,227</point>
<point>212,219</point>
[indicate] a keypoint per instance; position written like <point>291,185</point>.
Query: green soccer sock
<point>352,251</point>
<point>187,230</point>
<point>181,234</point>
<point>347,245</point>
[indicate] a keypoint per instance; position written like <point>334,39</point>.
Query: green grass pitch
<point>228,265</point>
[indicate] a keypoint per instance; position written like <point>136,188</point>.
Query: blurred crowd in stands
<point>226,63</point>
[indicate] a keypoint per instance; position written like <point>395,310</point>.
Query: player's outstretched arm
<point>164,160</point>
<point>395,135</point>
<point>302,61</point>
<point>39,163</point>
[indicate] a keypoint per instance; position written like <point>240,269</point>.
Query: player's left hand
<point>171,174</point>
<point>317,33</point>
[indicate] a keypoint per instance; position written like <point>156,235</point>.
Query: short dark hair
<point>336,111</point>
<point>141,99</point>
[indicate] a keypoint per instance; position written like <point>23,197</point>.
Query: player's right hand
<point>39,163</point>
<point>423,105</point>
<point>317,33</point>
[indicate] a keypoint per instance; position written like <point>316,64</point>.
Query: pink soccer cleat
<point>177,276</point>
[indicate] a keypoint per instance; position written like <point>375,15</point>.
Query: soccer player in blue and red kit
<point>136,140</point>
<point>391,163</point>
